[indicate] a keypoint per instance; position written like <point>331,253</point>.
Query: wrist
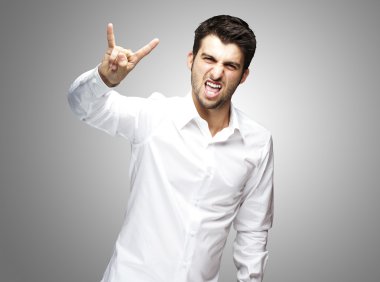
<point>105,80</point>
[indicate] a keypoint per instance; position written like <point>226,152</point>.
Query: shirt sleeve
<point>253,221</point>
<point>92,101</point>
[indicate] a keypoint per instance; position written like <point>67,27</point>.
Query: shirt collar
<point>188,112</point>
<point>234,121</point>
<point>234,124</point>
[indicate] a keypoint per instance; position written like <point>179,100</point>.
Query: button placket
<point>210,160</point>
<point>190,244</point>
<point>196,202</point>
<point>195,221</point>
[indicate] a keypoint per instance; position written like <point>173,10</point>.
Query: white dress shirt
<point>187,187</point>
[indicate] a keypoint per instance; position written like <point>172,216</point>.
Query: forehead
<point>212,45</point>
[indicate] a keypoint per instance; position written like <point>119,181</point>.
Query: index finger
<point>110,36</point>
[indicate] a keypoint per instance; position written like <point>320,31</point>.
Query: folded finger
<point>122,59</point>
<point>113,55</point>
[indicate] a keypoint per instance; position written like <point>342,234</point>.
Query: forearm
<point>250,255</point>
<point>86,91</point>
<point>93,102</point>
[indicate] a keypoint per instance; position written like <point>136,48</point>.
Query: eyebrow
<point>235,64</point>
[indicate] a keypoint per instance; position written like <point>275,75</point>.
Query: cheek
<point>233,78</point>
<point>201,68</point>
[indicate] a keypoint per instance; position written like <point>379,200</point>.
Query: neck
<point>217,119</point>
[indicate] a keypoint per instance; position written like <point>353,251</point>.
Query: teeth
<point>213,85</point>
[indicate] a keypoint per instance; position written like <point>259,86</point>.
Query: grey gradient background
<point>314,83</point>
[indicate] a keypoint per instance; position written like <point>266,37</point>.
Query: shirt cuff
<point>99,88</point>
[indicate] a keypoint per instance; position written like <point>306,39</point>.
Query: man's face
<point>216,72</point>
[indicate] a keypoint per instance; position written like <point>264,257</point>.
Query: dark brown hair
<point>228,29</point>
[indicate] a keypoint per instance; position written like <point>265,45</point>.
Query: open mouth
<point>212,88</point>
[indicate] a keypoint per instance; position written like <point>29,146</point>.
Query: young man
<point>198,164</point>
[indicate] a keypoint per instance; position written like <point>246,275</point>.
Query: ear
<point>244,76</point>
<point>190,59</point>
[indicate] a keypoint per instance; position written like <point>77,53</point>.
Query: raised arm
<point>93,101</point>
<point>118,61</point>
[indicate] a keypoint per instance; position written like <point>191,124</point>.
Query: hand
<point>118,62</point>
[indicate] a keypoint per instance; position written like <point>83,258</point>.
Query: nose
<point>217,72</point>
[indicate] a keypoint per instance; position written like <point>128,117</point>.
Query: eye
<point>231,67</point>
<point>209,59</point>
